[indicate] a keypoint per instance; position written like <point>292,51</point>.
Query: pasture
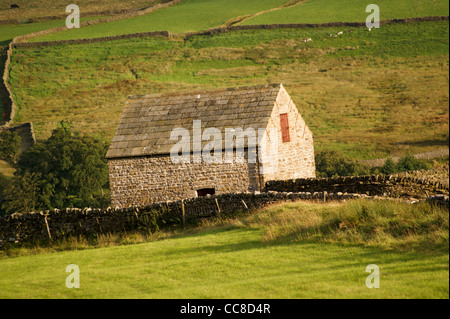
<point>297,250</point>
<point>321,11</point>
<point>197,15</point>
<point>44,8</point>
<point>368,94</point>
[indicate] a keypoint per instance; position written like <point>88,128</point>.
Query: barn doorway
<point>205,192</point>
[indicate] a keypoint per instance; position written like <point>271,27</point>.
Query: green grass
<point>257,256</point>
<point>10,31</point>
<point>368,94</point>
<point>189,15</point>
<point>321,11</point>
<point>45,8</point>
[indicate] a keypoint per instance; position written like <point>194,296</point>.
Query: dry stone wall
<point>376,185</point>
<point>57,224</point>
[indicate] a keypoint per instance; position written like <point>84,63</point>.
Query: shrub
<point>408,162</point>
<point>333,163</point>
<point>389,167</point>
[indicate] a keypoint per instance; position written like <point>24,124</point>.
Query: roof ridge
<point>239,88</point>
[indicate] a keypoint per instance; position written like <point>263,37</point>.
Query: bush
<point>333,163</point>
<point>408,162</point>
<point>389,167</point>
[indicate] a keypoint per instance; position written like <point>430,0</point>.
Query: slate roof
<point>147,121</point>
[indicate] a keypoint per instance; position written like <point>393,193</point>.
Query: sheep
<point>340,33</point>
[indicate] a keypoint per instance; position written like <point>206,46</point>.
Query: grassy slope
<point>319,11</point>
<point>190,15</point>
<point>259,256</point>
<point>367,94</point>
<point>9,31</point>
<point>43,8</point>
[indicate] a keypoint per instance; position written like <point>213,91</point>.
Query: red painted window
<point>285,128</point>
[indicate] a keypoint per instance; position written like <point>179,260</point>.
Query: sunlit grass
<point>295,250</point>
<point>322,11</point>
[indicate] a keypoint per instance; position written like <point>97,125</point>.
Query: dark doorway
<point>205,191</point>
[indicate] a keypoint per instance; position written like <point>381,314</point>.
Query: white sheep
<point>340,33</point>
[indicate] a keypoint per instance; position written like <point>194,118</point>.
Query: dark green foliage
<point>67,170</point>
<point>409,163</point>
<point>9,146</point>
<point>389,166</point>
<point>333,163</point>
<point>22,193</point>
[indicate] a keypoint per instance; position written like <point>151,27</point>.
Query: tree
<point>389,166</point>
<point>72,170</point>
<point>22,193</point>
<point>9,146</point>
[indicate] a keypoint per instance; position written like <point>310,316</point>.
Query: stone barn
<point>183,145</point>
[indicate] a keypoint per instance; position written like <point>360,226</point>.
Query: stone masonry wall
<point>146,180</point>
<point>293,159</point>
<point>376,185</point>
<point>57,224</point>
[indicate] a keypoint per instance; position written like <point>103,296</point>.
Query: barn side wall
<point>145,180</point>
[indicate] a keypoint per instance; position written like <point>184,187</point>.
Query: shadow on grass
<point>335,253</point>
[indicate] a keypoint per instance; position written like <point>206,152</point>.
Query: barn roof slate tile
<point>148,120</point>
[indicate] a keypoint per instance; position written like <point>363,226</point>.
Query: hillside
<point>320,11</point>
<point>196,15</point>
<point>189,15</point>
<point>37,9</point>
<point>388,88</point>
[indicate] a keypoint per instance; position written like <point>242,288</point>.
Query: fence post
<point>183,213</point>
<point>218,207</point>
<point>48,228</point>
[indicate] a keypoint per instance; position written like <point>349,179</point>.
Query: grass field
<point>368,94</point>
<point>320,11</point>
<point>45,8</point>
<point>10,31</point>
<point>196,15</point>
<point>297,250</point>
<point>189,15</point>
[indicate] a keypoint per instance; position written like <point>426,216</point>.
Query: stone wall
<point>144,180</point>
<point>57,224</point>
<point>376,185</point>
<point>90,222</point>
<point>310,25</point>
<point>91,40</point>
